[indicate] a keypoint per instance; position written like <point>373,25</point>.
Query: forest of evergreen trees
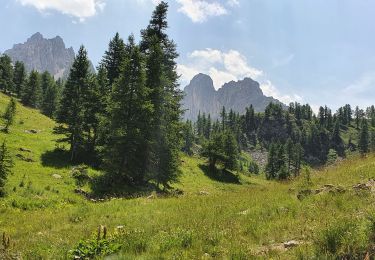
<point>127,119</point>
<point>292,137</point>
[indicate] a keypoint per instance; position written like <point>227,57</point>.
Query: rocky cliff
<point>200,95</point>
<point>41,54</point>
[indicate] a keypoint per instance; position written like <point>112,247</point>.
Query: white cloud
<point>233,3</point>
<point>361,92</point>
<point>223,67</point>
<point>270,90</point>
<point>199,10</point>
<point>154,2</point>
<point>80,9</point>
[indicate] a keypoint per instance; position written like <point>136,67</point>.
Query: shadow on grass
<point>221,175</point>
<point>106,186</point>
<point>57,158</point>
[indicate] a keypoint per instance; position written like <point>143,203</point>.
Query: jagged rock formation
<point>200,95</point>
<point>41,54</point>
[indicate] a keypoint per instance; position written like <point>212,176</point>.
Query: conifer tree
<point>6,74</point>
<point>130,110</point>
<point>71,107</point>
<point>188,137</point>
<point>336,141</point>
<point>298,154</point>
<point>363,142</point>
<point>32,92</point>
<point>289,150</point>
<point>230,151</point>
<point>223,116</point>
<point>50,99</point>
<point>113,58</point>
<point>165,97</point>
<point>271,166</point>
<point>9,114</point>
<point>6,164</point>
<point>19,78</point>
<point>372,140</point>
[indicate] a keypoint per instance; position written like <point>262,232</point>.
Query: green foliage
<point>113,58</point>
<point>221,148</point>
<point>188,137</point>
<point>31,95</point>
<point>6,74</point>
<point>49,99</point>
<point>336,141</point>
<point>332,156</point>
<point>95,247</point>
<point>253,167</point>
<point>276,167</point>
<point>363,143</point>
<point>346,238</point>
<point>9,114</point>
<point>71,110</point>
<point>80,174</point>
<point>6,165</point>
<point>19,79</point>
<point>129,109</point>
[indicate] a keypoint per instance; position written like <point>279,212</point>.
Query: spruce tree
<point>6,74</point>
<point>271,166</point>
<point>9,114</point>
<point>113,58</point>
<point>188,137</point>
<point>363,142</point>
<point>372,140</point>
<point>6,164</point>
<point>336,141</point>
<point>32,93</point>
<point>130,109</point>
<point>165,97</point>
<point>71,110</point>
<point>231,151</point>
<point>19,78</point>
<point>50,99</point>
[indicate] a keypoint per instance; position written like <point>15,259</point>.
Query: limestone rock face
<point>41,54</point>
<point>200,95</point>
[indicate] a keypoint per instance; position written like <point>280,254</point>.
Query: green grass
<point>212,218</point>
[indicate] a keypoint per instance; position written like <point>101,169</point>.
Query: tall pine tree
<point>71,111</point>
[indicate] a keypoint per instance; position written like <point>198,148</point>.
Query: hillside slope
<point>210,219</point>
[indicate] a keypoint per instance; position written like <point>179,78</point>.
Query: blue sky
<point>315,51</point>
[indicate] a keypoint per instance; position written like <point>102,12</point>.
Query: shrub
<point>101,245</point>
<point>253,167</point>
<point>332,156</point>
<point>345,239</point>
<point>80,174</point>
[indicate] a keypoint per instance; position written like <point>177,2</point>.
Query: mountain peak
<point>202,81</point>
<point>201,96</point>
<point>36,37</point>
<point>41,54</point>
